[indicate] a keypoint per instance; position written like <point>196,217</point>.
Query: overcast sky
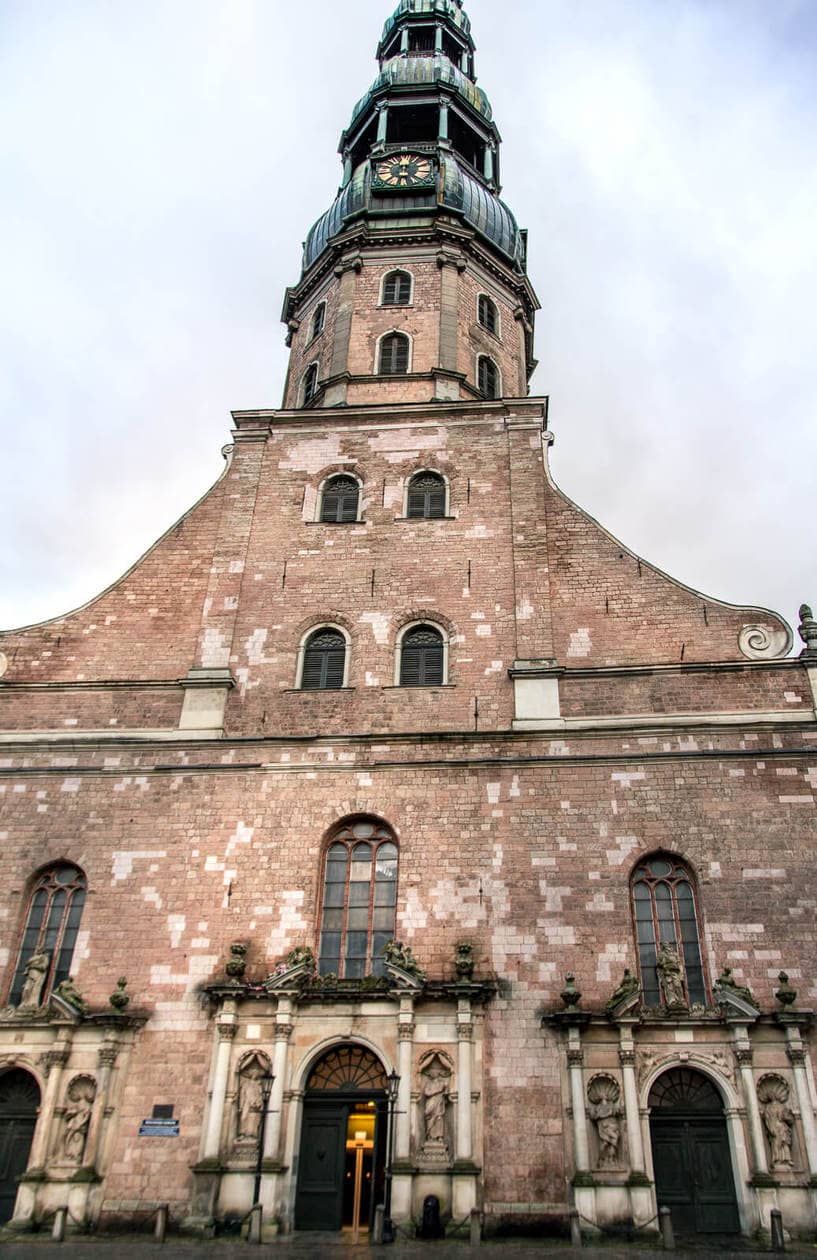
<point>161,162</point>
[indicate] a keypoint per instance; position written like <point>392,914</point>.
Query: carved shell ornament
<point>603,1089</point>
<point>762,643</point>
<point>772,1088</point>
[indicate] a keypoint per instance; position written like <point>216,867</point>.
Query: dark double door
<point>19,1100</point>
<point>328,1163</point>
<point>693,1173</point>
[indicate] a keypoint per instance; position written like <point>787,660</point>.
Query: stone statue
<point>250,1100</point>
<point>628,986</point>
<point>778,1119</point>
<point>71,996</point>
<point>604,1109</point>
<point>671,975</point>
<point>435,1101</point>
<point>36,972</point>
<point>727,981</point>
<point>400,955</point>
<point>79,1098</point>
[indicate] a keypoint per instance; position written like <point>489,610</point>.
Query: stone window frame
<point>682,871</point>
<point>347,659</point>
<point>492,332</point>
<point>58,969</point>
<point>490,359</point>
<point>398,653</point>
<point>390,332</point>
<point>400,306</point>
<point>427,472</point>
<point>338,834</point>
<point>313,334</point>
<point>303,400</point>
<point>331,476</point>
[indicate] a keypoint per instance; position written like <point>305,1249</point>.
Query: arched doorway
<point>343,1141</point>
<point>690,1149</point>
<point>19,1103</point>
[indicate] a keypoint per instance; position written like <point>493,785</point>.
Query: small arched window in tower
<point>397,289</point>
<point>339,501</point>
<point>487,313</point>
<point>426,496</point>
<point>309,384</point>
<point>487,377</point>
<point>422,657</point>
<point>666,914</point>
<point>318,320</point>
<point>50,934</point>
<point>394,355</point>
<point>324,663</point>
<point>359,899</point>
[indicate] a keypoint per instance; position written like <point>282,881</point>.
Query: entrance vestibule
<point>19,1104</point>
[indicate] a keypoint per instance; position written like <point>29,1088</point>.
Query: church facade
<point>390,829</point>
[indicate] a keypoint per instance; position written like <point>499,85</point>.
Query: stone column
<point>797,1058</point>
<point>283,1033</point>
<point>404,40</point>
<point>346,271</point>
<point>464,1144</point>
<point>488,169</point>
<point>450,264</point>
<point>575,1061</point>
<point>442,130</point>
<point>626,1057</point>
<point>405,1053</point>
<point>106,1058</point>
<point>382,124</point>
<point>438,39</point>
<point>744,1055</point>
<point>54,1060</point>
<point>226,1030</point>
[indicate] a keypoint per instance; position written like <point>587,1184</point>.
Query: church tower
<point>390,832</point>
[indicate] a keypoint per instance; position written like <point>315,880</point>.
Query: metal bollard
<point>60,1218</point>
<point>575,1229</point>
<point>665,1220</point>
<point>161,1223</point>
<point>776,1227</point>
<point>377,1229</point>
<point>476,1227</point>
<point>254,1231</point>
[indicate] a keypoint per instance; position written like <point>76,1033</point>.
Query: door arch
<point>694,1176</point>
<point>19,1106</point>
<point>341,1167</point>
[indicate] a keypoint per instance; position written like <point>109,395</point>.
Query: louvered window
<point>318,319</point>
<point>310,384</point>
<point>359,900</point>
<point>487,314</point>
<point>487,377</point>
<point>421,657</point>
<point>426,496</point>
<point>397,289</point>
<point>665,913</point>
<point>340,499</point>
<point>54,915</point>
<point>394,355</point>
<point>324,661</point>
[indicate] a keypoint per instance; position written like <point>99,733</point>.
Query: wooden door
<point>19,1100</point>
<point>319,1201</point>
<point>693,1174</point>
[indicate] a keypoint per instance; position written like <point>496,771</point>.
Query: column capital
<point>283,1031</point>
<point>56,1058</point>
<point>405,1032</point>
<point>575,1057</point>
<point>744,1056</point>
<point>227,1032</point>
<point>796,1056</point>
<point>465,1031</point>
<point>626,1057</point>
<point>106,1056</point>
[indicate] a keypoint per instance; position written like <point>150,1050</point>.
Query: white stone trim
<point>388,333</point>
<point>480,354</point>
<point>396,305</point>
<point>422,472</point>
<point>323,625</point>
<point>498,332</point>
<point>421,621</point>
<point>338,472</point>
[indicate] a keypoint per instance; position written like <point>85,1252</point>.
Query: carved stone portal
<point>79,1104</point>
<point>435,1093</point>
<point>605,1110</point>
<point>778,1119</point>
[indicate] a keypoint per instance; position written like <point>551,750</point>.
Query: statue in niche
<point>36,972</point>
<point>778,1119</point>
<point>671,975</point>
<point>605,1110</point>
<point>77,1118</point>
<point>435,1094</point>
<point>250,1098</point>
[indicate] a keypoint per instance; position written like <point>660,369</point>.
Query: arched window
<point>487,313</point>
<point>359,899</point>
<point>665,912</point>
<point>339,501</point>
<point>394,355</point>
<point>318,320</point>
<point>397,289</point>
<point>324,662</point>
<point>422,657</point>
<point>54,914</point>
<point>309,384</point>
<point>487,377</point>
<point>426,496</point>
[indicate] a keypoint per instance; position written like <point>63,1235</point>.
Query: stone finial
<point>119,999</point>
<point>236,964</point>
<point>808,631</point>
<point>785,995</point>
<point>570,995</point>
<point>464,961</point>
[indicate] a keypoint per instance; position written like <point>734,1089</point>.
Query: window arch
<point>340,499</point>
<point>665,912</point>
<point>393,354</point>
<point>426,496</point>
<point>359,899</point>
<point>488,314</point>
<point>323,660</point>
<point>309,384</point>
<point>396,290</point>
<point>52,922</point>
<point>488,377</point>
<point>318,320</point>
<point>422,656</point>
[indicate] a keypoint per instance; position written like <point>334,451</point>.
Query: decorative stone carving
<point>671,974</point>
<point>236,964</point>
<point>778,1118</point>
<point>605,1110</point>
<point>727,981</point>
<point>626,989</point>
<point>79,1104</point>
<point>250,1097</point>
<point>36,972</point>
<point>435,1090</point>
<point>760,642</point>
<point>807,631</point>
<point>464,962</point>
<point>570,995</point>
<point>119,999</point>
<point>399,955</point>
<point>70,995</point>
<point>785,995</point>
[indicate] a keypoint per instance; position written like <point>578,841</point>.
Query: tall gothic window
<point>487,313</point>
<point>54,914</point>
<point>394,355</point>
<point>309,384</point>
<point>324,663</point>
<point>339,501</point>
<point>665,911</point>
<point>359,899</point>
<point>426,496</point>
<point>397,289</point>
<point>487,377</point>
<point>422,657</point>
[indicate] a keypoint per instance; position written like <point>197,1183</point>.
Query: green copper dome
<point>408,70</point>
<point>452,9</point>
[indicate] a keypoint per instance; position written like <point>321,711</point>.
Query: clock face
<point>404,170</point>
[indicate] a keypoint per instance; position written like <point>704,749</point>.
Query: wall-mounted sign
<point>159,1128</point>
